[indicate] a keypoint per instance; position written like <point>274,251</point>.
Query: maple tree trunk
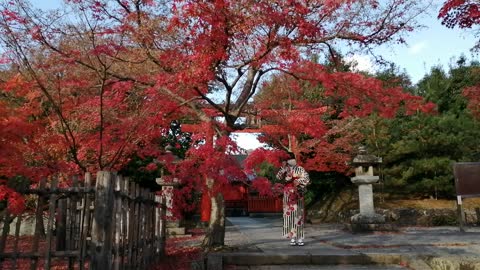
<point>215,235</point>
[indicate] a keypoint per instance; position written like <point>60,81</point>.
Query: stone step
<point>315,267</point>
<point>176,231</point>
<point>333,258</point>
<point>257,260</point>
<point>179,235</point>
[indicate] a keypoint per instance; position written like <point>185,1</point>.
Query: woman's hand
<point>288,176</point>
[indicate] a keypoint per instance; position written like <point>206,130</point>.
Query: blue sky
<point>427,47</point>
<point>430,46</point>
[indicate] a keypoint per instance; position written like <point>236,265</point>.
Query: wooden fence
<point>114,224</point>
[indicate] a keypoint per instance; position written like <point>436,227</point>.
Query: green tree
<point>445,88</point>
<point>419,150</point>
<point>393,76</point>
<point>422,148</point>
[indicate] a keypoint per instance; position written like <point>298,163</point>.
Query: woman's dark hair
<point>290,155</point>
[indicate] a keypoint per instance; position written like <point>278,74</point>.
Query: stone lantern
<point>173,226</point>
<point>367,219</point>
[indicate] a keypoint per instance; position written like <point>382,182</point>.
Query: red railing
<point>264,205</point>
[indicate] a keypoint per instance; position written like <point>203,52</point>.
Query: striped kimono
<point>296,179</point>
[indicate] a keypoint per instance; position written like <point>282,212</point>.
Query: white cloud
<point>418,47</point>
<point>360,63</point>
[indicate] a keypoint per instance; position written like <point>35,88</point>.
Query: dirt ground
<point>470,203</point>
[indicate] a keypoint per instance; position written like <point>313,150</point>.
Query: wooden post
<point>38,224</point>
<point>125,221</point>
<point>158,226</point>
<point>150,230</point>
<point>102,235</point>
<point>74,219</point>
<point>131,224</point>
<point>118,225</point>
<point>461,214</point>
<point>51,215</point>
<point>141,237</point>
<point>163,225</point>
<point>85,221</point>
<point>136,221</point>
<point>61,224</point>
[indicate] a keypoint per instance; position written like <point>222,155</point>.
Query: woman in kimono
<point>295,179</point>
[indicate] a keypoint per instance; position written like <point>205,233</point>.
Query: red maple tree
<point>16,137</point>
<point>173,55</point>
<point>317,114</point>
<point>461,13</point>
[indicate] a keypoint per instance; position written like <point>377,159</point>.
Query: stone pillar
<point>365,193</point>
